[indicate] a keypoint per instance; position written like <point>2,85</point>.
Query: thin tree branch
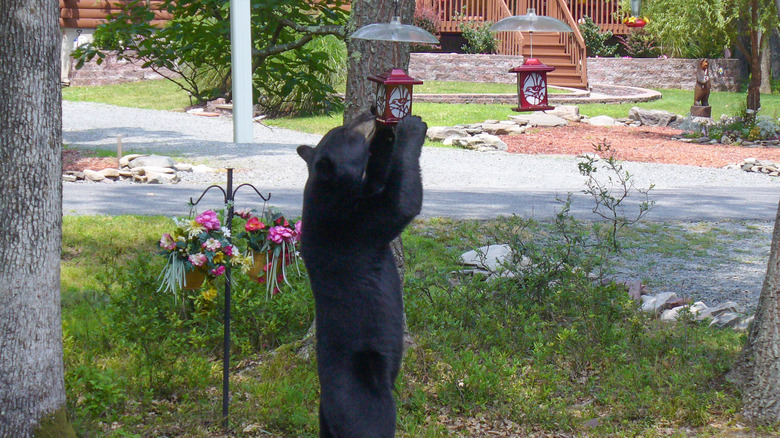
<point>325,29</point>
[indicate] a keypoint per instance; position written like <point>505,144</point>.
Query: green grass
<point>544,352</point>
<point>155,94</point>
<point>165,95</point>
<point>680,101</point>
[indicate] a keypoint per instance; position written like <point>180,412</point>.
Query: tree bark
<point>754,86</point>
<point>757,371</point>
<point>367,58</point>
<point>766,64</point>
<point>32,388</point>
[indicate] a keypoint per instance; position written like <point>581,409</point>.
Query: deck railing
<point>605,13</point>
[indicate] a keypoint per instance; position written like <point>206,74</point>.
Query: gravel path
<point>731,267</point>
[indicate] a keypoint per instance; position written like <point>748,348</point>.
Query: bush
<point>426,18</point>
<point>639,44</point>
<point>595,40</point>
<point>479,38</point>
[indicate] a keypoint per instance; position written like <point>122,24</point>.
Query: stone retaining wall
<point>726,74</point>
<point>639,72</point>
<point>111,71</point>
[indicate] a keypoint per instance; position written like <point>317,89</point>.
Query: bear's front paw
<point>410,133</point>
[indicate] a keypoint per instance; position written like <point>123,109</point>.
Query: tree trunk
<point>766,64</point>
<point>757,371</point>
<point>32,388</point>
<point>368,58</point>
<point>754,87</point>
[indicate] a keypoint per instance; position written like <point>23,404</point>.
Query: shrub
<point>479,38</point>
<point>595,40</point>
<point>639,44</point>
<point>426,18</point>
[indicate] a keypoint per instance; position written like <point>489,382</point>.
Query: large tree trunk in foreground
<point>32,388</point>
<point>757,371</point>
<point>368,58</point>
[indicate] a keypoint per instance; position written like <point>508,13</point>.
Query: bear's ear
<point>305,152</point>
<point>365,125</point>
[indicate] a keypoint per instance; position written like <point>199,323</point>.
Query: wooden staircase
<point>564,51</point>
<point>548,49</point>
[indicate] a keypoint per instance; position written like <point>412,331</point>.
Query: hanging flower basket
<point>194,279</point>
<point>196,249</point>
<point>262,264</point>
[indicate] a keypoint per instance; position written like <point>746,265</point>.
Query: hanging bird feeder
<point>532,74</point>
<point>393,94</point>
<point>635,20</point>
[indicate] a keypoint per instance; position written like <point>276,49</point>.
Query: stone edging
<point>573,98</point>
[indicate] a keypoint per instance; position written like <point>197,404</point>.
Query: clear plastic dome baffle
<point>395,31</point>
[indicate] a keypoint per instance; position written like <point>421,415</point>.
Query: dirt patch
<point>76,160</point>
<point>643,144</point>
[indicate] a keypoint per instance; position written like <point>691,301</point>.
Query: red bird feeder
<point>532,85</point>
<point>393,95</point>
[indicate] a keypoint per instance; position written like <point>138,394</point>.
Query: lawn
<point>168,97</point>
<point>546,352</point>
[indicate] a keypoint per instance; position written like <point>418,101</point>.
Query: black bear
<point>364,187</point>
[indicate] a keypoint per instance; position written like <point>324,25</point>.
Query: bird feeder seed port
<point>393,97</point>
<point>532,85</point>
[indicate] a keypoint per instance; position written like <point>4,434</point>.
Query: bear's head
<point>339,165</point>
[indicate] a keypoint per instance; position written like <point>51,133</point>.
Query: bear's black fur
<point>363,188</point>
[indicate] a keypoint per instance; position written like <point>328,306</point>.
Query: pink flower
<point>244,213</point>
<point>298,230</point>
<point>219,270</point>
<point>198,259</point>
<point>211,244</point>
<point>254,224</point>
<point>228,250</point>
<point>208,219</point>
<point>167,242</point>
<point>280,234</point>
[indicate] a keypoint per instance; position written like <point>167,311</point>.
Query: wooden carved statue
<point>701,93</point>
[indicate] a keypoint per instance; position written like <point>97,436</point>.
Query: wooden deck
<point>88,14</point>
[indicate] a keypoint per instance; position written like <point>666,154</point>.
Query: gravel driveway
<point>458,183</point>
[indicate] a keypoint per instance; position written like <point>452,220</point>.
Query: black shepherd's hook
<point>228,195</point>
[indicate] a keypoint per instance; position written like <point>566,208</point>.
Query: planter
<point>261,261</point>
<point>194,279</point>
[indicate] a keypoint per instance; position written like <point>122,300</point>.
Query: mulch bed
<point>643,144</point>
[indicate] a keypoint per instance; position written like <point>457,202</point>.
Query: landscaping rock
<point>182,167</point>
<point>725,319</point>
<point>152,161</point>
<point>125,161</point>
<point>655,303</point>
<point>490,257</point>
<point>566,112</point>
<point>481,142</point>
<point>539,119</point>
<point>672,314</point>
<point>744,323</point>
<point>651,117</point>
<point>110,172</point>
<point>92,175</point>
<point>69,178</point>
<point>502,128</point>
<point>149,170</point>
<point>603,121</point>
<point>440,133</point>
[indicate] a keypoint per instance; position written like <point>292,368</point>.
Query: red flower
<point>254,224</point>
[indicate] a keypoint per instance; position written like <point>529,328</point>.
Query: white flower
<point>225,231</point>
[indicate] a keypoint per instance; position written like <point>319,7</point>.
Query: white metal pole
<point>241,59</point>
